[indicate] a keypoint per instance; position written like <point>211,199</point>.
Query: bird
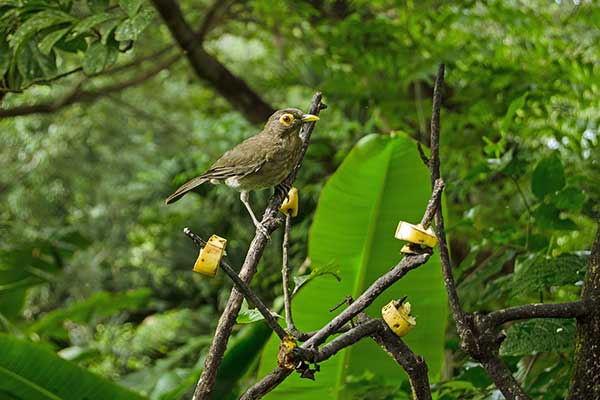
<point>259,162</point>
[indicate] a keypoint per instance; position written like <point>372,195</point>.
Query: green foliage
<point>31,372</point>
<point>101,304</point>
<point>536,274</point>
<point>40,39</point>
<point>381,181</point>
<point>548,176</point>
<point>539,335</point>
<point>82,188</point>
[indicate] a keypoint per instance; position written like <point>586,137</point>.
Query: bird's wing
<point>244,158</point>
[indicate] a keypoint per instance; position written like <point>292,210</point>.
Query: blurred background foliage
<point>93,266</point>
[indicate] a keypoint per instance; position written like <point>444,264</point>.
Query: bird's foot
<point>262,229</point>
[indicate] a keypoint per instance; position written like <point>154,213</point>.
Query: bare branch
<point>574,309</point>
<point>414,365</point>
<point>432,206</point>
<point>407,264</point>
<point>285,276</point>
<point>242,287</point>
<point>266,384</point>
<point>247,271</point>
<point>477,340</point>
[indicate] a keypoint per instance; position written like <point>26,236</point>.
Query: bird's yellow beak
<point>309,118</point>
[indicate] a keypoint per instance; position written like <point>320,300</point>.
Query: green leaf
<point>87,23</point>
<point>131,28</point>
<point>514,106</point>
<point>98,305</point>
<point>547,216</point>
<point>5,56</point>
<point>32,64</point>
<point>46,44</point>
<point>548,176</point>
<point>247,315</point>
<point>380,182</point>
<point>107,28</point>
<point>39,21</point>
<point>539,335</point>
<point>537,273</point>
<point>131,7</point>
<point>99,56</point>
<point>300,281</point>
<point>30,372</point>
<point>570,198</point>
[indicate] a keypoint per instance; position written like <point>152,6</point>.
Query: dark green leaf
<point>548,176</point>
<point>570,198</point>
<point>46,44</point>
<point>90,22</point>
<point>539,335</point>
<point>32,64</point>
<point>547,216</point>
<point>97,57</point>
<point>5,56</point>
<point>30,372</point>
<point>107,28</point>
<point>131,7</point>
<point>132,27</point>
<point>39,21</point>
<point>538,273</point>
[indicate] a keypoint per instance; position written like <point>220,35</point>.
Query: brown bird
<point>259,162</point>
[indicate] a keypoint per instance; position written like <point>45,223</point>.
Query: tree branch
<point>285,277</point>
<point>414,365</point>
<point>79,95</point>
<point>247,271</point>
<point>574,309</point>
<point>477,339</point>
<point>209,69</point>
<point>242,287</point>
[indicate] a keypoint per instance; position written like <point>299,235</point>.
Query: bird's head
<point>287,121</point>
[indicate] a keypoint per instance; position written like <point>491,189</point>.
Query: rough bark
<point>585,382</point>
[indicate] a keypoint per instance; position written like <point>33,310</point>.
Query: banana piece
<point>397,316</point>
<point>415,234</point>
<point>291,203</point>
<point>210,256</point>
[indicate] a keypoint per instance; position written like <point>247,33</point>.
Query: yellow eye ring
<point>286,119</point>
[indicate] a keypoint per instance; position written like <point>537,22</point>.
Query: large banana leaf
<point>30,372</point>
<point>381,182</point>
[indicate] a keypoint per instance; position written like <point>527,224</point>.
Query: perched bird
<point>259,162</point>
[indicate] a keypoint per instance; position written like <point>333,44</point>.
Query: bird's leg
<point>244,198</point>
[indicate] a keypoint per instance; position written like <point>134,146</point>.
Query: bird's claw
<point>262,229</point>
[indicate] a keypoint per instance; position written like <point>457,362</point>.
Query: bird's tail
<point>186,187</point>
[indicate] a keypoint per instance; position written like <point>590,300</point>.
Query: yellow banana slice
<point>290,205</point>
<point>397,317</point>
<point>415,234</point>
<point>210,256</point>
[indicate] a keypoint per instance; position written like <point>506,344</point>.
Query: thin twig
<point>285,275</point>
<point>432,206</point>
<point>245,289</point>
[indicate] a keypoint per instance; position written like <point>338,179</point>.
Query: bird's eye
<point>286,119</point>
